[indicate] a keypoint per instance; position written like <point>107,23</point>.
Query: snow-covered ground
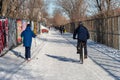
<point>54,58</point>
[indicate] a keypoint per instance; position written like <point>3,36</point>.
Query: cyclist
<point>82,36</point>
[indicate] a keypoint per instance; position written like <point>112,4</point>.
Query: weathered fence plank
<point>102,30</point>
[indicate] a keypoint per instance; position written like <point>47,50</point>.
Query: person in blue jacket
<point>27,35</point>
<point>82,36</point>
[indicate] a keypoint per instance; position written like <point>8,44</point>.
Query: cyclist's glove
<point>74,38</point>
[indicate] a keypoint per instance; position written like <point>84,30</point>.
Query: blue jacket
<point>27,35</point>
<point>82,33</point>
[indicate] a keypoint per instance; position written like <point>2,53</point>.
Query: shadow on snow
<point>104,58</point>
<point>61,58</point>
<point>18,54</point>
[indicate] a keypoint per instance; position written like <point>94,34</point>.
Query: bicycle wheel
<point>81,53</point>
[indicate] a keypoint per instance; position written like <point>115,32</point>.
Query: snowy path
<point>53,58</point>
<point>106,57</point>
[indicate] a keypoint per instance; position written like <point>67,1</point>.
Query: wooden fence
<point>104,30</point>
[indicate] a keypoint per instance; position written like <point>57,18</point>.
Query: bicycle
<point>80,51</point>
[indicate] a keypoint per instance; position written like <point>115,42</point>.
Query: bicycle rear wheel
<point>82,55</point>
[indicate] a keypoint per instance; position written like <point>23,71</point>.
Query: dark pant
<point>27,52</point>
<point>85,45</point>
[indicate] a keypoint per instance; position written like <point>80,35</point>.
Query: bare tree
<point>4,7</point>
<point>25,9</point>
<point>104,8</point>
<point>10,7</point>
<point>0,5</point>
<point>74,9</point>
<point>34,9</point>
<point>59,18</point>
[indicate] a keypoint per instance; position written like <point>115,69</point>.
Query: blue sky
<point>51,6</point>
<point>90,11</point>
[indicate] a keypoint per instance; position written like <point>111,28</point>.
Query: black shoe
<point>78,52</point>
<point>85,56</point>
